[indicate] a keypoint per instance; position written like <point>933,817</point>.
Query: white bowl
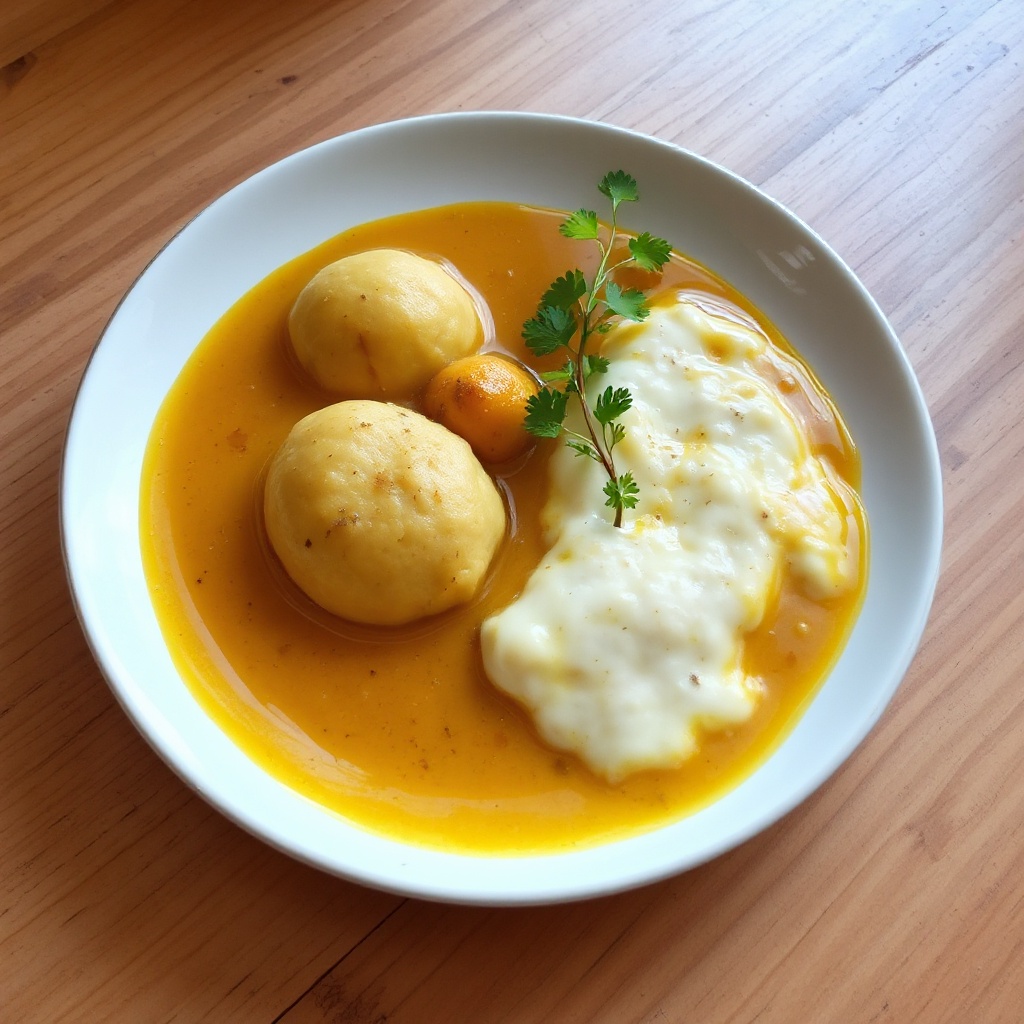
<point>288,208</point>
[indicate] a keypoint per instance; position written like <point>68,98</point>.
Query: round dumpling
<point>381,515</point>
<point>381,323</point>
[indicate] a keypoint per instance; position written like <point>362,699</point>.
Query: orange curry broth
<point>398,729</point>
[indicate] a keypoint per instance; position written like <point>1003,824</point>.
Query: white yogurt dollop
<point>626,642</point>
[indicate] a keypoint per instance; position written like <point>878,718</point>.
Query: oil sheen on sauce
<point>398,729</point>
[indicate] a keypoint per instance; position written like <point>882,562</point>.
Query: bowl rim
<point>480,879</point>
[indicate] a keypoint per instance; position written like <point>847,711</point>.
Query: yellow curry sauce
<point>398,729</point>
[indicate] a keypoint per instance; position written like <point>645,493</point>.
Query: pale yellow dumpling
<point>381,515</point>
<point>381,323</point>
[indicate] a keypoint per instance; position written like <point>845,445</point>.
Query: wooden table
<point>896,893</point>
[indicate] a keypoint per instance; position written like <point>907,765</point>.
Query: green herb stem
<point>571,306</point>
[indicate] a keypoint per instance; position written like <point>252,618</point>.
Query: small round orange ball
<point>483,398</point>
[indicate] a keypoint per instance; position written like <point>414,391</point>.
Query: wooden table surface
<point>896,893</point>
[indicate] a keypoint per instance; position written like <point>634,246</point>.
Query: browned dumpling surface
<point>381,515</point>
<point>381,323</point>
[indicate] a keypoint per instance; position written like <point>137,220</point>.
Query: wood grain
<point>26,24</point>
<point>896,893</point>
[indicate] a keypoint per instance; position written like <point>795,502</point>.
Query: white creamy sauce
<point>625,643</point>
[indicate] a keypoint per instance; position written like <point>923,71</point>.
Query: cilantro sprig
<point>570,313</point>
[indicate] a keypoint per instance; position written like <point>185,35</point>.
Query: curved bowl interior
<point>292,206</point>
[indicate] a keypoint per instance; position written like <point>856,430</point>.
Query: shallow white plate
<point>292,206</point>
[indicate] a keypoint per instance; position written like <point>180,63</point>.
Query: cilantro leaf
<point>581,224</point>
<point>619,187</point>
<point>594,364</point>
<point>649,252</point>
<point>583,447</point>
<point>545,412</point>
<point>622,492</point>
<point>551,329</point>
<point>564,292</point>
<point>612,404</point>
<point>628,304</point>
<point>562,376</point>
